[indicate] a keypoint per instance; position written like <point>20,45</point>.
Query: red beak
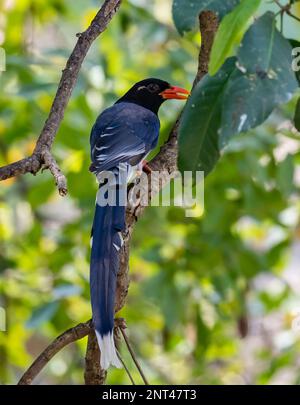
<point>177,93</point>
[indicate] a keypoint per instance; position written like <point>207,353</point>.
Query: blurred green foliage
<point>197,284</point>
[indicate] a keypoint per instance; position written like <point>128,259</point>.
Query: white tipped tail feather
<point>108,351</point>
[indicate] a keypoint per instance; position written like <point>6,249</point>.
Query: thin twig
<point>208,23</point>
<point>165,160</point>
<point>69,336</point>
<point>60,179</point>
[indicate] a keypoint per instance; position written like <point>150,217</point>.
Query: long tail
<point>108,223</point>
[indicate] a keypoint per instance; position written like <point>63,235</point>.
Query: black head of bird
<point>151,93</point>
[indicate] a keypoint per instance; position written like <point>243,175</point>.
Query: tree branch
<point>42,152</point>
<point>69,336</point>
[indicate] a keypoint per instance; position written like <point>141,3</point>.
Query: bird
<point>121,138</point>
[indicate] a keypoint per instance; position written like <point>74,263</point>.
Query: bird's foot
<point>146,168</point>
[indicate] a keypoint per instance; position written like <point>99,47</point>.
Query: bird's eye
<point>153,88</point>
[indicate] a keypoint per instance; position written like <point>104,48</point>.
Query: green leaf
<point>186,12</point>
<point>201,120</point>
<point>264,79</point>
<point>297,116</point>
<point>230,33</point>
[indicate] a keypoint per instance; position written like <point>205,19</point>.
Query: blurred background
<point>213,300</point>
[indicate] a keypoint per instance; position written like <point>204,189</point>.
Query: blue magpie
<point>120,139</point>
